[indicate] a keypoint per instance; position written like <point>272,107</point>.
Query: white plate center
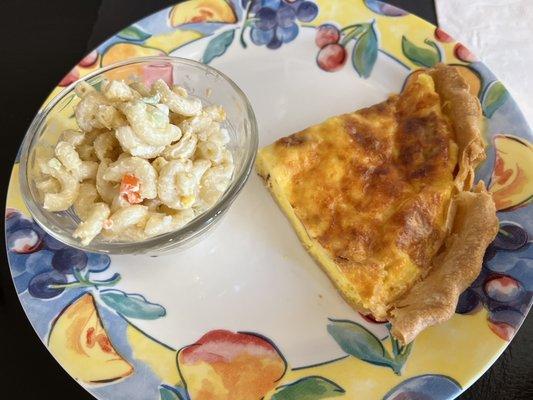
<point>251,273</point>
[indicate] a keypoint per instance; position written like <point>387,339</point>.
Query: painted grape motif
<point>504,286</point>
<point>269,23</point>
<point>47,285</point>
<point>67,259</point>
<point>275,22</point>
<point>469,302</point>
<point>44,266</point>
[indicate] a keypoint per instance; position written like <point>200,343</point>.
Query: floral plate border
<point>74,301</point>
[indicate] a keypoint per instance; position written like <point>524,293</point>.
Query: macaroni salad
<point>145,161</point>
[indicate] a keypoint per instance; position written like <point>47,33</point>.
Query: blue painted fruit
<point>68,259</point>
<point>41,286</point>
<point>468,303</point>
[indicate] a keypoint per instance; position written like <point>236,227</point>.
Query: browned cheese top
<point>373,187</point>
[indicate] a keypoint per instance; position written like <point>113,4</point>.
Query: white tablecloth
<point>500,33</point>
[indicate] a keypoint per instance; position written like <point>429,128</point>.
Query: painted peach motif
<point>237,366</point>
<point>224,365</point>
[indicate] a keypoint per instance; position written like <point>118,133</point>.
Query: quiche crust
<point>382,199</point>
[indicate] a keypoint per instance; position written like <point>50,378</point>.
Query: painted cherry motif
<point>503,288</point>
<point>335,43</point>
<point>442,36</point>
<point>327,34</point>
<point>463,53</point>
<point>331,57</point>
<point>226,365</point>
<point>503,330</point>
<point>24,241</point>
<point>504,322</point>
<point>11,213</point>
<point>69,78</point>
<point>89,60</point>
<point>15,220</point>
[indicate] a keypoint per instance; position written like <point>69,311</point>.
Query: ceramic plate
<point>246,314</point>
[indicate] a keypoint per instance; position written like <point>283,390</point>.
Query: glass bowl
<point>202,81</point>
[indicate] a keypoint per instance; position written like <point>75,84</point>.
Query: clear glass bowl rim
<point>198,225</point>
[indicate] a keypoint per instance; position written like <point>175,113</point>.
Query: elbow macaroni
<point>93,225</point>
<point>182,150</point>
<point>138,167</point>
<point>144,162</point>
<point>150,124</point>
<point>87,196</point>
<point>133,145</point>
<point>176,102</point>
<point>106,146</point>
<point>69,186</point>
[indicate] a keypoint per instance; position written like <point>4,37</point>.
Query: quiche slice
<point>382,198</point>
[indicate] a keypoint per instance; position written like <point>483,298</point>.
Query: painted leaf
<point>511,184</point>
<point>132,305</point>
<point>133,33</point>
<point>309,388</point>
<point>359,342</point>
<point>402,357</point>
<point>495,95</point>
<point>365,52</point>
<point>218,46</point>
<point>421,56</point>
<point>97,85</point>
<point>167,392</point>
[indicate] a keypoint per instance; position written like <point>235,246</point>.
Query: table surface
<point>74,28</point>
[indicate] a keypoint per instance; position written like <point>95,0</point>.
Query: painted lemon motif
<point>194,11</point>
<point>81,345</point>
<point>170,41</point>
<point>511,184</point>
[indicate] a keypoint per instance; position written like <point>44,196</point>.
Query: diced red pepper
<point>130,189</point>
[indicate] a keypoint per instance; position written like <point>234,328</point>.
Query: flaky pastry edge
<point>472,222</point>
